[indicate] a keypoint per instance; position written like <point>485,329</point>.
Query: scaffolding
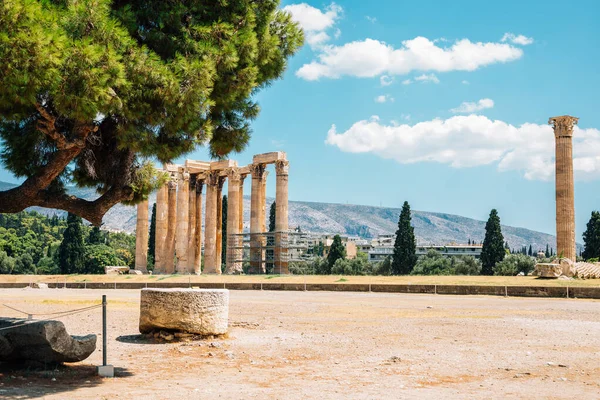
<point>267,252</point>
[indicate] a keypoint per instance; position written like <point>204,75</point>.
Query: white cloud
<point>406,82</point>
<point>516,39</point>
<point>315,22</point>
<point>384,99</point>
<point>385,80</point>
<point>370,58</point>
<point>371,19</point>
<point>468,107</point>
<point>427,78</point>
<point>465,82</point>
<point>470,141</point>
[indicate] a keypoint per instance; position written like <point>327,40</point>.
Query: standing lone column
<point>141,237</point>
<point>210,235</point>
<point>258,172</point>
<point>191,244</point>
<point>565,192</point>
<point>171,229</point>
<point>281,217</point>
<point>198,238</point>
<point>241,203</point>
<point>181,236</point>
<point>162,212</point>
<point>219,256</point>
<point>234,242</point>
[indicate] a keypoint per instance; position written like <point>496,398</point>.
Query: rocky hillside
<point>364,221</point>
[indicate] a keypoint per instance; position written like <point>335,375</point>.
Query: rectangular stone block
<point>196,167</point>
<point>223,164</point>
<point>268,158</point>
<point>106,371</point>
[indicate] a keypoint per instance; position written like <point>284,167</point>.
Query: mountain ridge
<point>350,219</point>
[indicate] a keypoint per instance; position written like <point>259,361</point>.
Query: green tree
<point>99,256</point>
<point>24,264</point>
<point>405,247</point>
<point>591,237</point>
<point>530,251</point>
<point>433,263</point>
<point>336,252</point>
<point>224,235</point>
<point>152,239</point>
<point>71,253</point>
<point>92,90</point>
<point>7,263</point>
<point>95,236</point>
<point>466,265</point>
<point>547,254</point>
<point>514,264</point>
<point>272,212</point>
<point>493,244</point>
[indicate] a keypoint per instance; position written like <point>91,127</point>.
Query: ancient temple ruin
<point>179,218</point>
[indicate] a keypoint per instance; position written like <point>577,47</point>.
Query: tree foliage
<point>71,253</point>
<point>336,252</point>
<point>91,90</point>
<point>591,237</point>
<point>405,257</point>
<point>30,244</point>
<point>514,264</point>
<point>272,212</point>
<point>493,244</point>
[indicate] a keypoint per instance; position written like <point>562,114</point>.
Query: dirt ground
<point>326,345</point>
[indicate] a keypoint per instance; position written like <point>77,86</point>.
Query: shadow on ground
<point>19,381</point>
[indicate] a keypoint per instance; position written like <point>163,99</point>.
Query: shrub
<point>433,263</point>
<point>514,264</point>
<point>466,265</point>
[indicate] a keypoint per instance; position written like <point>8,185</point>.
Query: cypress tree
<point>272,217</point>
<point>152,237</point>
<point>405,247</point>
<point>547,251</point>
<point>591,237</point>
<point>493,244</point>
<point>530,252</point>
<point>71,252</point>
<point>336,252</point>
<point>95,236</point>
<point>224,228</point>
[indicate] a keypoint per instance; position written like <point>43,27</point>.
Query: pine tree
<point>71,252</point>
<point>405,247</point>
<point>152,237</point>
<point>143,79</point>
<point>224,229</point>
<point>336,252</point>
<point>493,249</point>
<point>272,212</point>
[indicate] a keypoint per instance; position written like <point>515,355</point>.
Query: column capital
<point>257,170</point>
<point>172,184</point>
<point>212,178</point>
<point>563,125</point>
<point>233,174</point>
<point>220,182</point>
<point>282,167</point>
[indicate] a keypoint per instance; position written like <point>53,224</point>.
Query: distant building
<point>379,253</point>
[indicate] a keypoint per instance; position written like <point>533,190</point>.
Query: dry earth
<point>298,345</point>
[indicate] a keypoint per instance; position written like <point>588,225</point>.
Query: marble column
<point>258,173</point>
<point>171,229</point>
<point>198,237</point>
<point>219,255</point>
<point>210,235</point>
<point>141,237</point>
<point>241,203</point>
<point>181,235</point>
<point>191,243</point>
<point>281,217</point>
<point>234,266</point>
<point>160,239</point>
<point>565,192</point>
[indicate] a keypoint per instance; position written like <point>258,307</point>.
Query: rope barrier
<point>55,313</point>
<point>65,314</point>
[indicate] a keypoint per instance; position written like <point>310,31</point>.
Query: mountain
<point>356,220</point>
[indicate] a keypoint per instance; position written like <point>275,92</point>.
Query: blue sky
<point>392,77</point>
